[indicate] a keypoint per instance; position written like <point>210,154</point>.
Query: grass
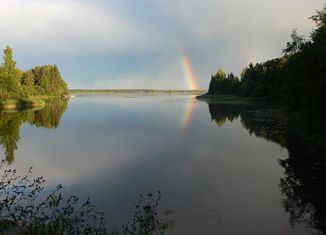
<point>137,91</point>
<point>21,103</point>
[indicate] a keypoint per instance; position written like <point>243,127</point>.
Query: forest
<point>296,80</point>
<point>294,86</point>
<point>39,81</point>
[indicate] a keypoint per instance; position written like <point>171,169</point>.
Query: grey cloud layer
<point>104,44</point>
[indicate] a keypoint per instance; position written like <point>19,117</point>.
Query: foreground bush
<point>26,209</point>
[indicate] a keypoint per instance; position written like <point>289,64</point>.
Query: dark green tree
<point>297,79</point>
<point>296,45</point>
<point>28,83</point>
<point>223,84</point>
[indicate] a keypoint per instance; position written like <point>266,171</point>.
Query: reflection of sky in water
<point>218,180</point>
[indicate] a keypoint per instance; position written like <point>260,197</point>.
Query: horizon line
<point>135,89</point>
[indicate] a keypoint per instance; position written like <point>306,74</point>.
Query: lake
<point>217,165</point>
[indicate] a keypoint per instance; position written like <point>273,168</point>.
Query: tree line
<point>297,79</point>
<point>41,80</point>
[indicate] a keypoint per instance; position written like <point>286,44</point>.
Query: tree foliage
<point>10,76</point>
<point>27,208</point>
<point>296,45</point>
<point>223,84</point>
<point>41,80</point>
<point>297,79</point>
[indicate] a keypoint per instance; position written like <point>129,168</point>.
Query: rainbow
<point>186,119</point>
<point>192,84</point>
<point>188,72</point>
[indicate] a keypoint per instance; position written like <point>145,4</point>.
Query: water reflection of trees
<point>11,121</point>
<point>304,181</point>
<point>222,113</point>
<point>264,122</point>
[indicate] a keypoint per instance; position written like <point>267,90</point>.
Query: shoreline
<point>25,103</point>
<point>225,98</point>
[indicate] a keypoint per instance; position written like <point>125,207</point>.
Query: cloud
<point>233,33</point>
<point>123,43</point>
<point>63,25</point>
<point>213,18</point>
<point>168,76</point>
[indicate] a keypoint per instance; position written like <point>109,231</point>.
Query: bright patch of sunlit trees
<point>41,80</point>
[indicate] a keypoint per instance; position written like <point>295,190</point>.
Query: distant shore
<point>136,91</point>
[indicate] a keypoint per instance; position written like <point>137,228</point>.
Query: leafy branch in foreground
<point>23,211</point>
<point>145,220</point>
<point>26,209</point>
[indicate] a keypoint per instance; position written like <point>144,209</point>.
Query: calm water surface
<point>216,176</point>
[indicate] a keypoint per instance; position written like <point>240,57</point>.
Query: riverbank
<point>21,103</point>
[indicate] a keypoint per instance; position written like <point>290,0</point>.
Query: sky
<point>158,44</point>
